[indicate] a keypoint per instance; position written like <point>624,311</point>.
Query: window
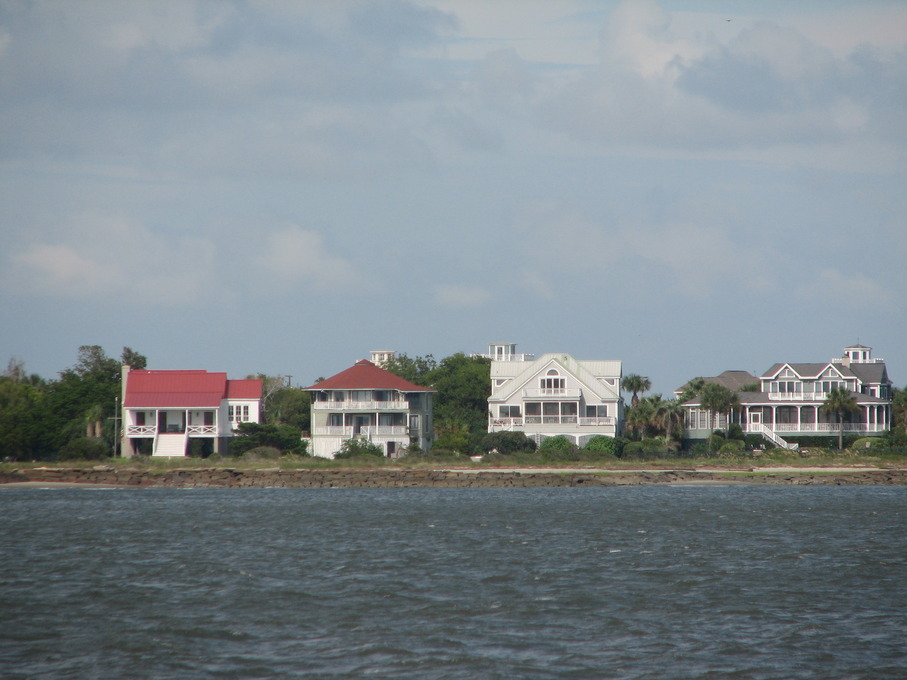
<point>238,413</point>
<point>336,420</point>
<point>140,418</point>
<point>508,411</point>
<point>597,411</point>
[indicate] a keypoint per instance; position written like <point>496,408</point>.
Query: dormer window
<point>552,381</point>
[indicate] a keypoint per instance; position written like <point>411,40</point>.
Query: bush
<point>85,448</point>
<point>654,445</point>
<point>601,444</point>
<point>285,438</point>
<point>731,446</point>
<point>735,431</point>
<point>506,443</point>
<point>632,448</point>
<point>358,448</point>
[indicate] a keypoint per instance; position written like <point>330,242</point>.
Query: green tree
<point>899,410</point>
<point>841,402</point>
<point>669,417</point>
<point>639,418</point>
<point>290,406</point>
<point>507,443</point>
<point>418,370</point>
<point>133,359</point>
<point>718,399</point>
<point>357,448</point>
<point>254,435</point>
<point>22,409</point>
<point>635,384</point>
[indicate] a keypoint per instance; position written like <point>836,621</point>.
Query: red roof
<point>185,389</point>
<point>364,375</point>
<point>244,389</point>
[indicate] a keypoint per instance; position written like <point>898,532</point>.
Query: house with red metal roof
<point>369,402</point>
<point>170,408</point>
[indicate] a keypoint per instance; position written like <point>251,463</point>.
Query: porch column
<point>799,425</point>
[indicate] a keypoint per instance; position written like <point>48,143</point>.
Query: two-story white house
<point>369,402</point>
<point>554,394</point>
<point>168,408</point>
<point>790,401</point>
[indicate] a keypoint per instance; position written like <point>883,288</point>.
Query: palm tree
<point>718,399</point>
<point>669,418</point>
<point>840,401</point>
<point>94,419</point>
<point>639,418</point>
<point>635,384</point>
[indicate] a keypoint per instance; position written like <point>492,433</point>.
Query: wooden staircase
<point>170,445</point>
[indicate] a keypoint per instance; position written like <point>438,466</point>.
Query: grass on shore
<point>772,458</point>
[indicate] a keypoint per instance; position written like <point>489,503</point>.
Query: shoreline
<point>103,477</point>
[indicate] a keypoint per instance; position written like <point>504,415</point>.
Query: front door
<point>755,419</point>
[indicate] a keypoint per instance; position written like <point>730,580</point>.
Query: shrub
<point>735,431</point>
<point>506,443</point>
<point>601,444</point>
<point>285,438</point>
<point>632,448</point>
<point>731,446</point>
<point>85,448</point>
<point>357,448</point>
<point>654,445</point>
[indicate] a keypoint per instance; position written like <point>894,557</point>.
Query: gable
<point>566,367</point>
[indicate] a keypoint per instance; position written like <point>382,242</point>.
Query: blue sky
<point>280,187</point>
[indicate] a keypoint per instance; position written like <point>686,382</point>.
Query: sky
<point>280,187</point>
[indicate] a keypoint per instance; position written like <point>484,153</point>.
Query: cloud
<point>459,295</point>
<point>296,256</point>
<point>99,258</point>
<point>835,287</point>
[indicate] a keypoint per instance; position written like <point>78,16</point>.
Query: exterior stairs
<point>170,445</point>
<point>775,438</point>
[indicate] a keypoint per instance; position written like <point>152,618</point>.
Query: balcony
<point>366,431</point>
<point>797,396</point>
<point>552,393</point>
<point>499,424</point>
<point>397,405</point>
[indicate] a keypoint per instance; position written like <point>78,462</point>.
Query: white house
<point>554,395</point>
<point>789,403</point>
<point>171,407</point>
<point>369,402</point>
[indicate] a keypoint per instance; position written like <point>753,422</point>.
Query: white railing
<point>498,424</point>
<point>540,392</point>
<point>797,396</point>
<point>201,430</point>
<point>773,437</point>
<point>141,430</point>
<point>397,405</point>
<point>828,427</point>
<point>368,431</point>
<point>600,421</point>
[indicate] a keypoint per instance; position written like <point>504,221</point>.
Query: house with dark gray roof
<point>789,403</point>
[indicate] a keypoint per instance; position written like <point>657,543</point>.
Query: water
<point>640,582</point>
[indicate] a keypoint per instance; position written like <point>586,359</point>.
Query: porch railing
<point>367,431</point>
<point>396,405</point>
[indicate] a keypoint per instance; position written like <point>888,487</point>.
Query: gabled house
<point>790,401</point>
<point>369,402</point>
<point>171,407</point>
<point>554,394</point>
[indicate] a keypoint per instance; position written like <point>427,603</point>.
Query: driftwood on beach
<point>400,478</point>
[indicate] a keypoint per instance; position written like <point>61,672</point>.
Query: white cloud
<point>835,287</point>
<point>293,255</point>
<point>98,258</point>
<point>460,295</point>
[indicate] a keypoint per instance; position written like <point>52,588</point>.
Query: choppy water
<point>642,582</point>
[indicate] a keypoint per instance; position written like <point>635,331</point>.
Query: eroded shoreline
<point>110,477</point>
